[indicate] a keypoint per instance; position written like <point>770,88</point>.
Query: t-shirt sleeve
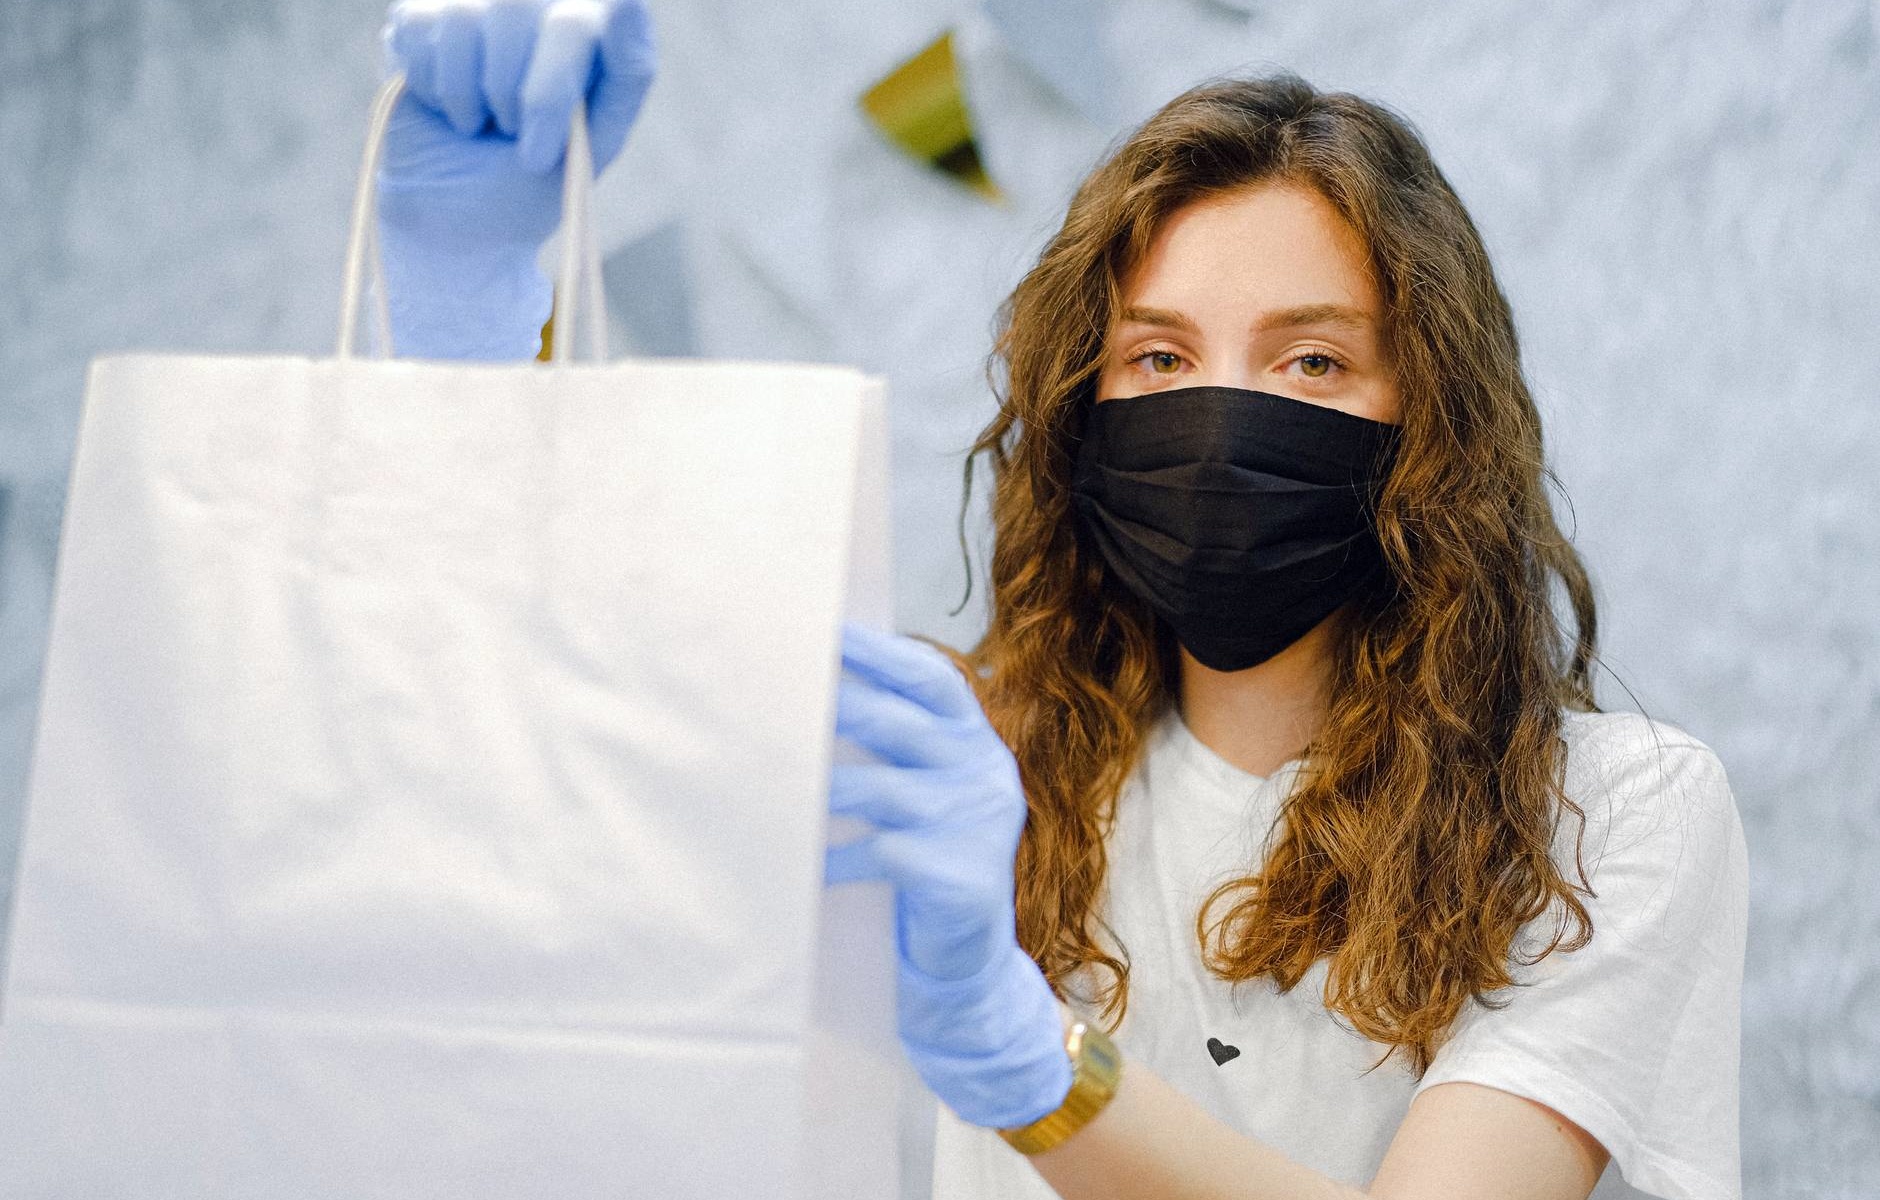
<point>1636,1036</point>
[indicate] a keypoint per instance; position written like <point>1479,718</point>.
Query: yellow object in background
<point>548,338</point>
<point>922,109</point>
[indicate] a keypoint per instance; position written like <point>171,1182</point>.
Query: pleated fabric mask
<point>1243,518</point>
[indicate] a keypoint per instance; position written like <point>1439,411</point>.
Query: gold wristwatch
<point>1095,1069</point>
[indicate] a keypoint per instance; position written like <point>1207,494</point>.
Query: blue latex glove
<point>470,185</point>
<point>977,1018</point>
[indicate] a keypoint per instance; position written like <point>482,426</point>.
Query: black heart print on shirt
<point>1221,1053</point>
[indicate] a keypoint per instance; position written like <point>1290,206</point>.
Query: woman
<point>1273,692</point>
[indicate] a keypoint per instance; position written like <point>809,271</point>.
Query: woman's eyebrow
<point>1338,315</point>
<point>1298,316</point>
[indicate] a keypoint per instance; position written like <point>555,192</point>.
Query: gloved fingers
<point>908,668</point>
<point>559,73</point>
<point>410,38</point>
<point>628,57</point>
<point>888,797</point>
<point>508,44</point>
<point>390,60</point>
<point>851,862</point>
<point>417,146</point>
<point>892,856</point>
<point>457,71</point>
<point>888,725</point>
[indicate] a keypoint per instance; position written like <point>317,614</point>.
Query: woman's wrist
<point>991,1045</point>
<point>1096,1073</point>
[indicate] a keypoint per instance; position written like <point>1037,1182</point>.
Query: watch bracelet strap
<point>1096,1068</point>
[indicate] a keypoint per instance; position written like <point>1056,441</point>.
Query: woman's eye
<point>1316,365</point>
<point>1158,359</point>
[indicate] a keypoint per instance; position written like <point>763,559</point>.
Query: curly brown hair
<point>1417,841</point>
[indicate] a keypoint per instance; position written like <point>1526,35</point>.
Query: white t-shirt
<point>1634,1037</point>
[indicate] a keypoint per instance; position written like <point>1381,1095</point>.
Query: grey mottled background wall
<point>1683,201</point>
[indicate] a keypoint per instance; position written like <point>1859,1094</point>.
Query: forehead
<point>1238,254</point>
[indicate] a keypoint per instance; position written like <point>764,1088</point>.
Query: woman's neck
<point>1261,718</point>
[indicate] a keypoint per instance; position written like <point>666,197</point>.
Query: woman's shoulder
<point>1641,773</point>
<point>1605,738</point>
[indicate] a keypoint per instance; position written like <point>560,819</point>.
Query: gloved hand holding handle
<point>977,1018</point>
<point>470,185</point>
<point>469,189</point>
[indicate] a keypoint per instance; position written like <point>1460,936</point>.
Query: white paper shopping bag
<point>429,785</point>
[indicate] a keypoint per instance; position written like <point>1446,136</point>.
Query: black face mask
<point>1242,518</point>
